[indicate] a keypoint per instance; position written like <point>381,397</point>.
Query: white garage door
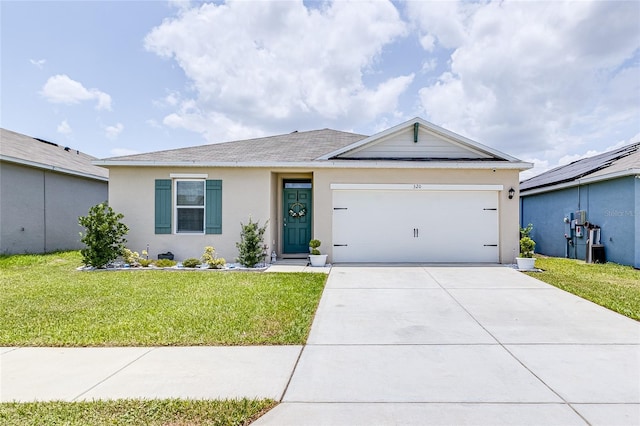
<point>415,223</point>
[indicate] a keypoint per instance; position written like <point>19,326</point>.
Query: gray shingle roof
<point>618,160</point>
<point>292,147</point>
<point>22,149</point>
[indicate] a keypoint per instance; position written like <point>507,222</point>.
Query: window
<point>190,206</point>
<point>297,185</point>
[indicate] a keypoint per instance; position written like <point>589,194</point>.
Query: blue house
<point>593,201</point>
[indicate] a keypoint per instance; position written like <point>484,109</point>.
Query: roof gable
<point>417,139</point>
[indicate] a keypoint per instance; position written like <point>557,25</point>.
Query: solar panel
<point>578,168</point>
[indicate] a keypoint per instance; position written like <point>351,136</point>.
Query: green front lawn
<point>135,412</point>
<point>45,301</point>
<point>610,285</point>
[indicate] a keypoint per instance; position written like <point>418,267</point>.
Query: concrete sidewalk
<point>389,345</point>
<point>76,374</point>
<point>461,345</point>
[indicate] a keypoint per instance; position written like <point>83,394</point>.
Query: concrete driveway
<point>461,345</point>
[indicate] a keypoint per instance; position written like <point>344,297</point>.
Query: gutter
<point>53,168</point>
<point>342,164</point>
<point>582,181</point>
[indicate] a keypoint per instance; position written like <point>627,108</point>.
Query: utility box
<point>580,216</point>
<point>597,253</point>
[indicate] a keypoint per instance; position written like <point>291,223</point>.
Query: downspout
<point>44,210</point>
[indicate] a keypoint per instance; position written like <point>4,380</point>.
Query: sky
<point>548,82</point>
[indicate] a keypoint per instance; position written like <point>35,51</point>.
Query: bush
<point>527,245</point>
<point>131,257</point>
<point>165,263</point>
<point>211,259</point>
<point>526,232</point>
<point>145,262</point>
<point>103,237</point>
<point>314,244</point>
<point>251,245</point>
<point>191,262</point>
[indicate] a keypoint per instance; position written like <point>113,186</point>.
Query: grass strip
<point>613,286</point>
<point>45,301</point>
<point>135,412</point>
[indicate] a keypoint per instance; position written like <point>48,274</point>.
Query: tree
<point>251,245</point>
<point>104,236</point>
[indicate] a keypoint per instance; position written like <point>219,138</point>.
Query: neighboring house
<point>44,188</point>
<point>412,193</point>
<point>606,188</point>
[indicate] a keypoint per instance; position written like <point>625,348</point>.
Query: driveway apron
<point>460,345</point>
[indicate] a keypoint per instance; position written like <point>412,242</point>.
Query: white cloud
<point>444,21</point>
<point>64,128</point>
<point>180,4</point>
<point>539,166</point>
<point>260,66</point>
<point>38,62</point>
<point>63,90</point>
<point>428,42</point>
<point>153,123</point>
<point>215,127</point>
<point>112,132</point>
<point>172,99</point>
<point>535,79</point>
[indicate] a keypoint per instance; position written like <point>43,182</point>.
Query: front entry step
<point>293,261</point>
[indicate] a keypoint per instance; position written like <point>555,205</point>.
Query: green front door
<point>296,217</point>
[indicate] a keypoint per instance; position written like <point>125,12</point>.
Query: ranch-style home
<point>412,193</point>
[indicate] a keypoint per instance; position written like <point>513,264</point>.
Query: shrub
<point>251,245</point>
<point>131,257</point>
<point>165,263</point>
<point>314,244</point>
<point>210,258</point>
<point>526,231</point>
<point>191,262</point>
<point>145,262</point>
<point>103,237</point>
<point>527,245</point>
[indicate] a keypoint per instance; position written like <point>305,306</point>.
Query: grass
<point>135,412</point>
<point>45,301</point>
<point>610,285</point>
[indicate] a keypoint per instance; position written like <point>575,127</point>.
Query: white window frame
<point>176,207</point>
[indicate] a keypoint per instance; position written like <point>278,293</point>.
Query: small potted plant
<point>316,258</point>
<point>527,245</point>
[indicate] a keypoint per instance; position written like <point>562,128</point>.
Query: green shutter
<point>213,209</point>
<point>163,206</point>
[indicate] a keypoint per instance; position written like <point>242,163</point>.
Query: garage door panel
<point>415,226</point>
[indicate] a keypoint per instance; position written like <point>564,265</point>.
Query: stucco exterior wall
<point>39,209</point>
<point>245,193</point>
<point>612,205</point>
<point>258,192</point>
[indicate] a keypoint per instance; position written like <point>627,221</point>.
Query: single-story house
<point>44,188</point>
<point>412,193</point>
<point>595,195</point>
